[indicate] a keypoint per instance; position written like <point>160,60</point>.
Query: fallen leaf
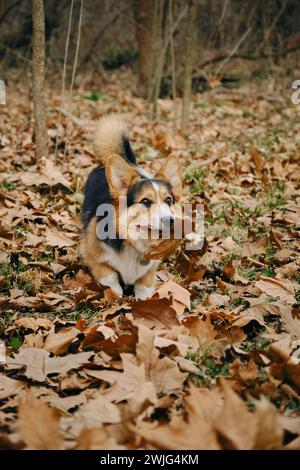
<point>196,433</point>
<point>282,288</point>
<point>58,343</point>
<point>38,363</point>
<point>163,372</point>
<point>42,433</point>
<point>9,387</point>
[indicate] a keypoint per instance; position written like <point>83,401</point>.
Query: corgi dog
<point>138,199</point>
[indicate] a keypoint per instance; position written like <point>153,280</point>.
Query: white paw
<point>112,282</point>
<point>117,290</point>
<point>142,292</point>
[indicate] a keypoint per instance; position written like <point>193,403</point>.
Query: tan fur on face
<point>155,192</point>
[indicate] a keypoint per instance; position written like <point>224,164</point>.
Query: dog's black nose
<point>167,222</point>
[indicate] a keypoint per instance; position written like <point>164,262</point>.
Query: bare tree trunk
<point>159,57</point>
<point>189,55</point>
<point>38,72</point>
<point>173,64</point>
<point>144,13</point>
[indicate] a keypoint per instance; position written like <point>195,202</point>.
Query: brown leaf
<point>282,288</point>
<point>196,433</point>
<point>235,424</point>
<point>34,323</point>
<point>125,343</point>
<point>201,329</point>
<point>58,343</point>
<point>127,383</point>
<point>164,373</point>
<point>229,269</point>
<point>159,311</point>
<point>179,295</point>
<point>269,434</point>
<point>38,424</point>
<point>56,238</point>
<point>196,274</point>
<point>9,387</point>
<point>248,373</point>
<point>38,363</point>
<point>162,249</point>
<point>96,439</point>
<point>256,247</point>
<point>257,159</point>
<point>97,411</point>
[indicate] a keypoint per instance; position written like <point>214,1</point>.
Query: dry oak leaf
<point>201,329</point>
<point>125,343</point>
<point>9,387</point>
<point>58,343</point>
<point>257,247</point>
<point>196,433</point>
<point>164,372</point>
<point>290,215</point>
<point>126,384</point>
<point>162,249</point>
<point>235,425</point>
<point>34,323</point>
<point>259,308</point>
<point>38,363</point>
<point>290,424</point>
<point>248,373</point>
<point>56,238</point>
<point>291,325</point>
<point>218,300</point>
<point>282,288</point>
<point>96,412</point>
<point>49,175</point>
<point>156,311</point>
<point>269,433</point>
<point>179,295</point>
<point>38,424</point>
<point>242,430</point>
<point>65,404</point>
<point>229,270</point>
<point>33,340</point>
<point>96,439</point>
<point>80,280</point>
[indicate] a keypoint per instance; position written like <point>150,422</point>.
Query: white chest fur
<point>127,262</point>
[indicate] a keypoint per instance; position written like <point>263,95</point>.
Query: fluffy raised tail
<point>111,137</point>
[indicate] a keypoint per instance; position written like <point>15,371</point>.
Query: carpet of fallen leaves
<point>212,361</point>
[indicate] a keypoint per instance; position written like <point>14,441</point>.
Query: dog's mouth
<point>150,231</point>
<point>154,232</point>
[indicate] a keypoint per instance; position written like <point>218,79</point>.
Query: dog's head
<point>145,207</point>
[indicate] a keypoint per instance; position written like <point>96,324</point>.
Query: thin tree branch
<point>64,70</point>
<point>9,9</point>
<point>245,57</point>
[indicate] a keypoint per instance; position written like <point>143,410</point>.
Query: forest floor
<point>212,361</point>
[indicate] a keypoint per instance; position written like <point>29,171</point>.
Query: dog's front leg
<point>106,276</point>
<point>145,286</point>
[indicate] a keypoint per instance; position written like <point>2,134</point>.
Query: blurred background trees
<point>225,41</point>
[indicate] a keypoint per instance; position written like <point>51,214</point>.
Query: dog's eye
<point>146,202</point>
<point>169,201</point>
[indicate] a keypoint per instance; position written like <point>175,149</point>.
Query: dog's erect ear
<point>171,171</point>
<point>120,175</point>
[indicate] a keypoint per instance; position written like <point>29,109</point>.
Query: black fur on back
<point>96,192</point>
